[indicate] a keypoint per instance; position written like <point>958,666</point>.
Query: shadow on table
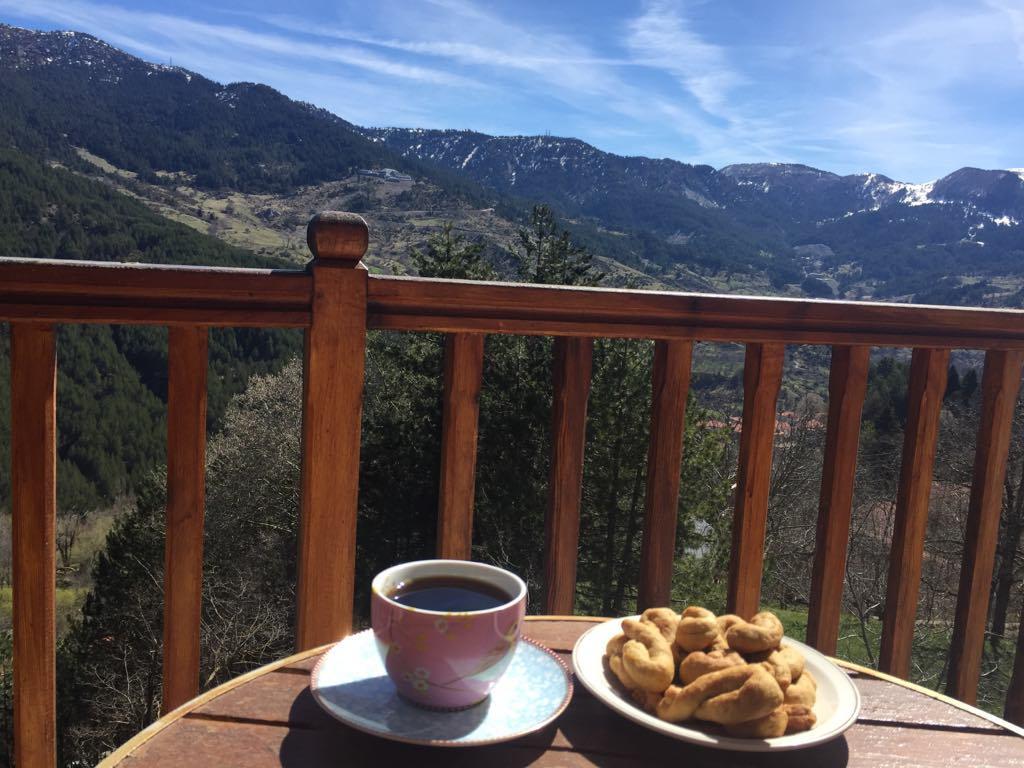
<point>315,739</point>
<point>609,740</point>
<point>375,700</point>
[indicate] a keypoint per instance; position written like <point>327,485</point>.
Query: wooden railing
<point>335,300</point>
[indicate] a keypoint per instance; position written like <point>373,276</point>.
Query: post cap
<point>338,235</point>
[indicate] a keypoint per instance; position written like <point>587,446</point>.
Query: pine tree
<point>451,257</point>
<point>545,253</point>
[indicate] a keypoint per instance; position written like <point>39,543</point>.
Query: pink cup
<point>446,660</point>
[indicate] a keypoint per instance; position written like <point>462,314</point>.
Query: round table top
<point>269,718</point>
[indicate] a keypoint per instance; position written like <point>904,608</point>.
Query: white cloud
<point>462,51</point>
<point>525,58</point>
<point>136,28</point>
<point>663,38</point>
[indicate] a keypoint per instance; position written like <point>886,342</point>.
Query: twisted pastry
<point>757,697</point>
<point>732,695</point>
<point>762,633</point>
<point>699,663</point>
<point>615,663</point>
<point>770,726</point>
<point>647,656</point>
<point>697,629</point>
<point>794,659</point>
<point>804,691</point>
<point>665,619</point>
<point>614,646</point>
<point>775,663</point>
<point>613,650</point>
<point>727,620</point>
<point>799,718</point>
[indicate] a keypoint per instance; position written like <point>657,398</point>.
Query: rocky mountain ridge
<point>510,162</point>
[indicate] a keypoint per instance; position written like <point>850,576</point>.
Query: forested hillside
<point>147,117</point>
<point>112,380</point>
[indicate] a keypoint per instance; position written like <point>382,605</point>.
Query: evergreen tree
<point>547,254</point>
<point>111,656</point>
<point>449,256</point>
<point>515,411</point>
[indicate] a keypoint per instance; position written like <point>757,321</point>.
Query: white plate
<point>836,707</point>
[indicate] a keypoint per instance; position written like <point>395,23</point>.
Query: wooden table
<point>269,718</point>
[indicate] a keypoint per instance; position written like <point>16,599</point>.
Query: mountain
<point>664,197</point>
<point>859,235</point>
<point>62,89</point>
<point>585,179</point>
<point>246,164</point>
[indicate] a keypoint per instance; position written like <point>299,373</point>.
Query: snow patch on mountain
<point>917,194</point>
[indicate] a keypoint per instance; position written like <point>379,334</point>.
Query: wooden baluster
<point>762,377</point>
<point>1000,386</point>
<point>573,358</point>
<point>332,409</point>
<point>924,403</point>
<point>847,384</point>
<point>463,367</point>
<point>670,383</point>
<point>34,571</point>
<point>186,501</point>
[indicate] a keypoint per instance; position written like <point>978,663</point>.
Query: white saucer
<point>350,683</point>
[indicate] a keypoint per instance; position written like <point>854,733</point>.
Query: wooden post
<point>670,383</point>
<point>186,501</point>
<point>332,411</point>
<point>762,377</point>
<point>34,572</point>
<point>924,403</point>
<point>463,367</point>
<point>1000,385</point>
<point>572,367</point>
<point>847,383</point>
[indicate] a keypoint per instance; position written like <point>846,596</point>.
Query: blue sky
<point>910,89</point>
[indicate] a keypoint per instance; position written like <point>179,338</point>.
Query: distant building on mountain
<point>387,174</point>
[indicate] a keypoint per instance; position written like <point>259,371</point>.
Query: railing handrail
<point>430,304</point>
<point>49,290</point>
<point>335,300</point>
